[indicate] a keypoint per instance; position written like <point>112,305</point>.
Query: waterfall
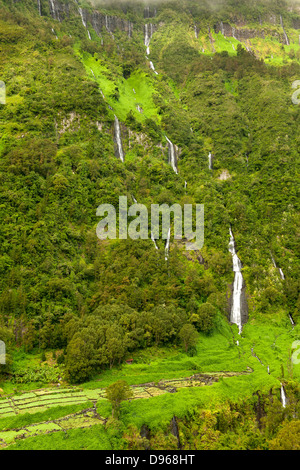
<point>291,320</point>
<point>54,14</point>
<point>281,274</point>
<point>130,29</point>
<point>39,7</point>
<point>147,12</point>
<point>148,37</point>
<point>279,269</point>
<point>54,33</point>
<point>210,164</point>
<point>222,28</point>
<point>172,155</point>
<point>236,314</point>
<point>196,32</point>
<point>119,139</point>
<point>83,21</point>
<point>285,35</point>
<point>282,396</point>
<point>167,245</point>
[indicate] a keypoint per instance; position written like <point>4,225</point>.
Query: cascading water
<point>279,269</point>
<point>283,278</point>
<point>84,22</point>
<point>172,155</point>
<point>130,29</point>
<point>54,14</point>
<point>39,7</point>
<point>283,396</point>
<point>153,68</point>
<point>54,33</point>
<point>148,36</point>
<point>236,313</point>
<point>287,42</point>
<point>107,26</point>
<point>167,248</point>
<point>119,139</point>
<point>222,29</point>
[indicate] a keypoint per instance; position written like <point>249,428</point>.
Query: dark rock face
<point>58,10</point>
<point>296,23</point>
<point>246,33</point>
<point>240,34</point>
<point>101,22</point>
<point>149,12</point>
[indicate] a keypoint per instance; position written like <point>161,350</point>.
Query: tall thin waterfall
<point>236,313</point>
<point>285,35</point>
<point>283,396</point>
<point>222,28</point>
<point>54,33</point>
<point>84,22</point>
<point>167,248</point>
<point>119,139</point>
<point>279,269</point>
<point>39,7</point>
<point>130,29</point>
<point>54,14</point>
<point>210,164</point>
<point>172,155</point>
<point>153,68</point>
<point>148,36</point>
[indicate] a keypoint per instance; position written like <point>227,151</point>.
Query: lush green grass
<point>94,438</point>
<point>136,90</point>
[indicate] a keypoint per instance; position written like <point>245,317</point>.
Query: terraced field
<point>45,399</point>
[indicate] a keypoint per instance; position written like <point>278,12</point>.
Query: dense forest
<point>216,86</point>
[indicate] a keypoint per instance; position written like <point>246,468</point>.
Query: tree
<point>189,336</point>
<point>205,317</point>
<point>116,393</point>
<point>288,438</point>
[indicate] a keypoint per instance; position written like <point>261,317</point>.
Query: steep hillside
<point>176,102</point>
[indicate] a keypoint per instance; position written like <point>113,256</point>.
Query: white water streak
<point>236,314</point>
<point>118,139</point>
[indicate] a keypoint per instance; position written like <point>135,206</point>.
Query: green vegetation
<point>74,309</point>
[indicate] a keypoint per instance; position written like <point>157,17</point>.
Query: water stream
<point>287,42</point>
<point>119,139</point>
<point>236,313</point>
<point>84,22</point>
<point>172,155</point>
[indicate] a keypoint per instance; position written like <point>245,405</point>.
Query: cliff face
<point>242,34</point>
<point>237,27</point>
<point>58,10</point>
<point>101,22</point>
